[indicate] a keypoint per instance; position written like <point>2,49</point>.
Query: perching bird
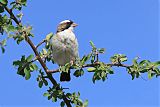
<point>64,46</point>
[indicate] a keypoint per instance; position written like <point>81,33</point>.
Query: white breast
<point>64,47</point>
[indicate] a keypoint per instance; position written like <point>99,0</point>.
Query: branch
<point>11,14</point>
<point>28,40</point>
<point>43,41</point>
<point>93,65</point>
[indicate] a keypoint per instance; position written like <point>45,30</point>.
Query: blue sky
<point>121,26</point>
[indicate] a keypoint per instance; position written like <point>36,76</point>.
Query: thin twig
<point>43,41</point>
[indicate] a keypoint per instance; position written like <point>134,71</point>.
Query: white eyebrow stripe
<point>65,21</point>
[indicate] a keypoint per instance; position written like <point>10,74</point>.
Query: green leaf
<point>93,59</point>
<point>44,51</point>
<point>149,74</point>
<point>78,73</point>
<point>33,67</point>
<point>67,67</point>
<point>1,9</point>
<point>45,82</point>
<point>103,79</point>
<point>40,84</point>
<point>27,74</point>
<point>21,71</point>
<point>29,58</point>
<point>92,44</point>
<point>88,57</point>
<point>103,74</point>
<point>137,75</point>
<point>11,28</point>
<point>20,15</point>
<point>17,63</point>
<point>157,63</point>
<point>93,79</point>
<point>54,99</point>
<point>20,39</point>
<point>135,61</point>
<point>123,59</point>
<point>75,102</point>
<point>3,43</point>
<point>85,104</point>
<point>49,97</point>
<point>68,95</point>
<point>110,71</point>
<point>83,60</point>
<point>133,75</point>
<point>62,104</point>
<point>91,69</point>
<point>23,2</point>
<point>3,50</point>
<point>4,2</point>
<point>46,94</point>
<point>49,36</point>
<point>101,50</point>
<point>144,62</point>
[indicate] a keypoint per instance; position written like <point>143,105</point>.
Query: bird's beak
<point>74,24</point>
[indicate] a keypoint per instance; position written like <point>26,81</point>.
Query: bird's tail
<point>65,76</point>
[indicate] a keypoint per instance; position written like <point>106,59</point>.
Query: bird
<point>64,46</point>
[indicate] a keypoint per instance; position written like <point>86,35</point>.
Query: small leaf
<point>1,9</point>
<point>40,84</point>
<point>75,102</point>
<point>93,59</point>
<point>29,58</point>
<point>123,59</point>
<point>85,104</point>
<point>83,60</point>
<point>11,28</point>
<point>101,50</point>
<point>19,15</point>
<point>92,44</point>
<point>88,57</point>
<point>45,82</point>
<point>103,74</point>
<point>49,36</point>
<point>27,74</point>
<point>46,94</point>
<point>4,2</point>
<point>157,63</point>
<point>110,71</point>
<point>91,69</point>
<point>103,79</point>
<point>137,75</point>
<point>93,79</point>
<point>3,50</point>
<point>4,42</point>
<point>44,51</point>
<point>133,75</point>
<point>149,74</point>
<point>23,2</point>
<point>78,73</point>
<point>54,99</point>
<point>144,62</point>
<point>17,63</point>
<point>135,61</point>
<point>21,70</point>
<point>68,95</point>
<point>34,67</point>
<point>62,104</point>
